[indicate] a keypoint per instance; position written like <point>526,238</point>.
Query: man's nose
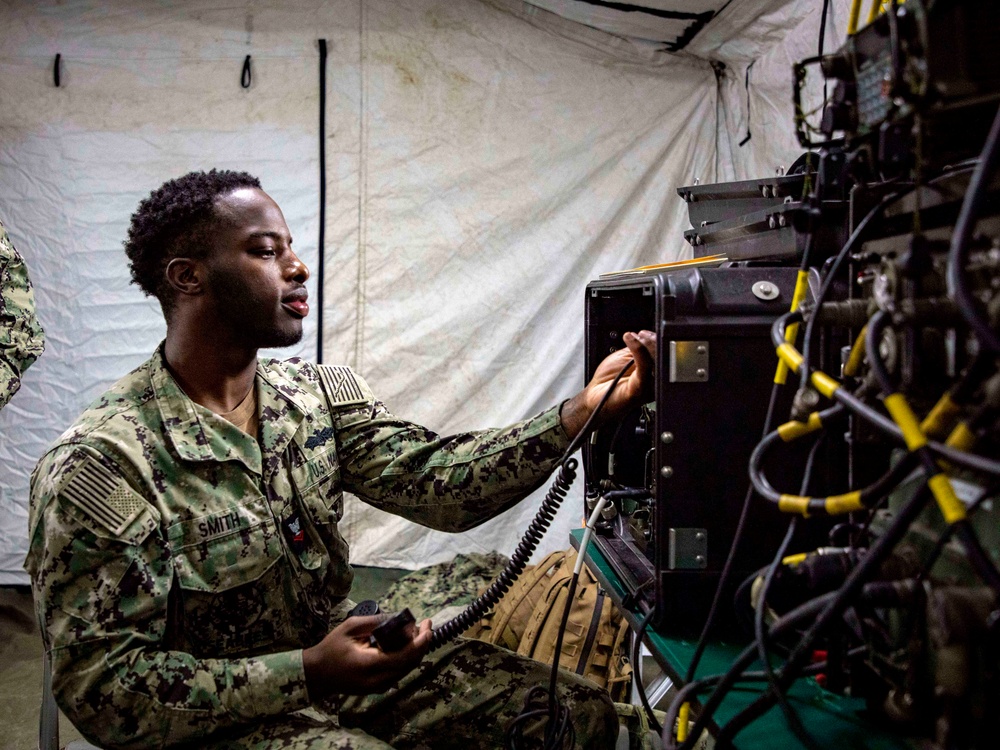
<point>296,269</point>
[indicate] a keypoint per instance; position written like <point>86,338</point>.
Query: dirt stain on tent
<point>407,75</point>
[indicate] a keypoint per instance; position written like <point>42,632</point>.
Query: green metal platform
<point>836,722</point>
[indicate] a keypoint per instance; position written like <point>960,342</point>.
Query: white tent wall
<point>768,38</point>
<point>484,162</point>
<point>148,92</point>
<point>499,178</point>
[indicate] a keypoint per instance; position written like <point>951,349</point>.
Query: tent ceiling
<point>667,23</point>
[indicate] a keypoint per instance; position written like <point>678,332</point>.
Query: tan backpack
<point>527,619</point>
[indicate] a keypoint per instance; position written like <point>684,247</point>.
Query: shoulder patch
<point>342,386</point>
<point>103,496</point>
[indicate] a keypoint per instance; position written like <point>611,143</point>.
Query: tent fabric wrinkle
<point>485,160</point>
<point>670,23</point>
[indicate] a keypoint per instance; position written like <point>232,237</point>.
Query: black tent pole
<point>322,201</point>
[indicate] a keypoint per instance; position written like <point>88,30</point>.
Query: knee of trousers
<point>594,717</point>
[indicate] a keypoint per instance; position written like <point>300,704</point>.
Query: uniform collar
<point>282,406</point>
<point>199,435</point>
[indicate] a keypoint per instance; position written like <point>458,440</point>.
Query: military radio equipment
<point>916,88</point>
<point>395,631</point>
<point>891,356</point>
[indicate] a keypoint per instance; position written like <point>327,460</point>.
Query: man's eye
<point>264,252</point>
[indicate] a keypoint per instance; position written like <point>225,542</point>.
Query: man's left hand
<point>634,387</point>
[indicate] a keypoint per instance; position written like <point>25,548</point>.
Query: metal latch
<point>688,361</point>
<point>688,549</point>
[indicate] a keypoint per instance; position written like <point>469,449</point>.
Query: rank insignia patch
<point>295,534</point>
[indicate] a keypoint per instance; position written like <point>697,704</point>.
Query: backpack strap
<point>595,622</point>
<point>523,588</point>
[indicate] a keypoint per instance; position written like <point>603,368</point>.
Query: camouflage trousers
<point>463,695</point>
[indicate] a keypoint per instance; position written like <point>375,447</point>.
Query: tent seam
<point>362,192</point>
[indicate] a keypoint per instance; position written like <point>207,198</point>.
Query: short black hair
<point>174,221</point>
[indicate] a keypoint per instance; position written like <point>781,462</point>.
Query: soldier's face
<point>254,282</point>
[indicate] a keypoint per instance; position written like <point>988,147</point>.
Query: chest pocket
<point>315,472</point>
<point>229,571</point>
<point>316,475</point>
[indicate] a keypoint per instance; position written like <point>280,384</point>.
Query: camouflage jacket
<point>21,336</point>
<point>179,566</point>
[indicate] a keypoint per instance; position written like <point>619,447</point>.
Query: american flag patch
<point>103,496</point>
<point>341,385</point>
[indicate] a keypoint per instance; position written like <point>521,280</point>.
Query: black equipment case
<point>690,449</point>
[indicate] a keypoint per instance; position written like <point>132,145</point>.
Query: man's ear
<point>185,275</point>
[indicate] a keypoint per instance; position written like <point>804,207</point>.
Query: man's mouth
<point>296,303</point>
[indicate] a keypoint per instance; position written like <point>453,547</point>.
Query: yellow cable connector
<point>682,722</point>
<point>834,505</point>
<point>824,383</point>
<point>942,415</point>
<point>846,503</point>
<point>880,6</point>
<point>790,356</point>
<point>951,507</point>
<point>801,289</point>
<point>857,355</point>
<point>873,10</point>
<point>793,430</point>
<point>904,417</point>
<point>852,18</point>
<point>794,504</point>
<point>961,437</point>
<point>793,560</point>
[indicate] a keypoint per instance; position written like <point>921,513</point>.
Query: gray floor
<point>21,660</point>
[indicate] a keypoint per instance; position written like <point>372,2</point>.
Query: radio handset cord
<point>529,542</point>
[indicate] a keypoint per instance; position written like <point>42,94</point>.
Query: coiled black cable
<point>541,522</point>
<point>532,536</point>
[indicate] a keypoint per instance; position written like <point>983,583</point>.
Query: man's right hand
<point>345,663</point>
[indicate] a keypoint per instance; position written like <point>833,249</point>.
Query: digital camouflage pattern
<point>457,582</point>
<point>179,566</point>
<point>462,696</point>
<point>21,336</point>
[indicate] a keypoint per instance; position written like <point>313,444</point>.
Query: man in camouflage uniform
<point>22,339</point>
<point>188,571</point>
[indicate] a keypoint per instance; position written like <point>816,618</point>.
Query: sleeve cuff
<point>560,430</point>
<point>275,684</point>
